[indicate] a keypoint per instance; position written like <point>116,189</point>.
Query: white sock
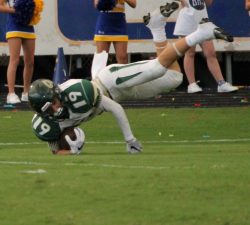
<point>159,34</point>
<point>203,33</point>
<point>193,39</point>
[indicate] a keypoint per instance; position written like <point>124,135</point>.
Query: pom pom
<point>37,12</point>
<point>24,11</point>
<point>27,11</point>
<point>105,5</point>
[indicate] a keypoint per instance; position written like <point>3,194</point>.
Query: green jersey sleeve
<point>45,129</point>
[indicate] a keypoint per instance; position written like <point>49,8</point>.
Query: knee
<point>122,58</point>
<point>190,54</point>
<point>29,64</point>
<point>210,54</point>
<point>14,62</point>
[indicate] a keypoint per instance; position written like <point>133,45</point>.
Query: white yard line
<point>147,142</point>
<point>117,166</point>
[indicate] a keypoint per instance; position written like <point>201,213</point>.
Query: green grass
<point>195,172</point>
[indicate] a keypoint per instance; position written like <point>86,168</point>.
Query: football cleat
<point>169,8</point>
<point>218,32</point>
<point>221,34</point>
<point>146,19</point>
<point>160,13</point>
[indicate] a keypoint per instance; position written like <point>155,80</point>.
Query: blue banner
<point>76,20</point>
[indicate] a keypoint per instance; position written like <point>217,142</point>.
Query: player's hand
<point>134,146</point>
<point>76,145</point>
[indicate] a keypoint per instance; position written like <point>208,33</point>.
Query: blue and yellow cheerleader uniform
<point>18,30</point>
<point>112,25</point>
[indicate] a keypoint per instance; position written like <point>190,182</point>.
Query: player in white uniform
<point>137,81</point>
<point>76,101</point>
<point>187,22</point>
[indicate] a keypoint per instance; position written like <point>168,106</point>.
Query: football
<point>63,144</point>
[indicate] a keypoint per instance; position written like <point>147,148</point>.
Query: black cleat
<point>204,20</point>
<point>219,33</point>
<point>223,35</point>
<point>146,19</point>
<point>169,8</point>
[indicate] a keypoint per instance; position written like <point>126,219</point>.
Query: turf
<point>194,170</point>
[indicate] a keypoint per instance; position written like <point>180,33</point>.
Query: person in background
<point>111,27</point>
<point>187,21</point>
<point>18,36</point>
<point>247,5</point>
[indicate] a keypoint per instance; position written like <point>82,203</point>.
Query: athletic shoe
<point>194,88</point>
<point>169,8</point>
<point>24,97</point>
<point>227,87</point>
<point>156,19</point>
<point>12,98</point>
<point>214,32</point>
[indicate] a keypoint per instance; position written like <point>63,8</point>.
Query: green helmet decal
<point>41,91</point>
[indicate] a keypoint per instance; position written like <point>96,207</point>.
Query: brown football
<point>63,144</point>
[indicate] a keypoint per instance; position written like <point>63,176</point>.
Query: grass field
<point>194,170</point>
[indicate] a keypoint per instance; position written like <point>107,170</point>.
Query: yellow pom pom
<point>37,12</point>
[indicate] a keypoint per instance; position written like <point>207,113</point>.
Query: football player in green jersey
<point>68,105</point>
<point>76,101</point>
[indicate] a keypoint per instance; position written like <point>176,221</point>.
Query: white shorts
<point>188,20</point>
<point>140,80</point>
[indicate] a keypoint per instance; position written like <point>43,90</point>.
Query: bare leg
<point>214,67</point>
<point>102,46</point>
<point>28,52</point>
<point>14,48</point>
<point>189,65</point>
<point>121,51</point>
<point>212,62</point>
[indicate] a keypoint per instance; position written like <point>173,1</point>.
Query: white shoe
<point>211,31</point>
<point>167,9</point>
<point>24,97</point>
<point>154,20</point>
<point>194,88</point>
<point>227,87</point>
<point>12,98</point>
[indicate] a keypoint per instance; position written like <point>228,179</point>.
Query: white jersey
<point>140,80</point>
<point>189,17</point>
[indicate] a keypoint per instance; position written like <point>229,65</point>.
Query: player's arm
<point>133,146</point>
<point>55,148</point>
<point>50,131</point>
<point>71,142</point>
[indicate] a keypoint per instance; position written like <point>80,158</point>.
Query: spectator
<point>111,28</point>
<point>18,36</point>
<point>188,19</point>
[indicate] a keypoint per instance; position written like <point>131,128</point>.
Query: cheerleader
<point>188,20</point>
<point>20,34</point>
<point>111,27</point>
